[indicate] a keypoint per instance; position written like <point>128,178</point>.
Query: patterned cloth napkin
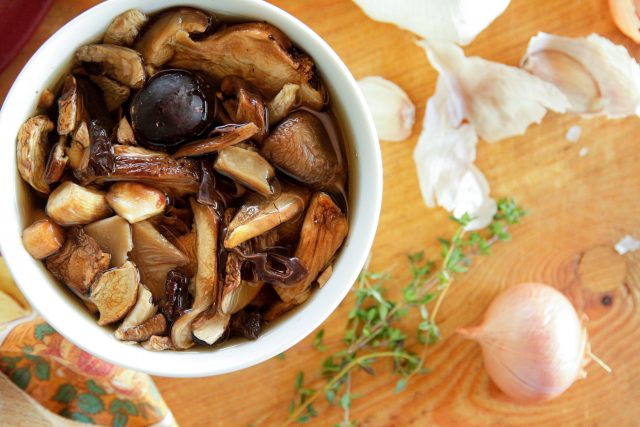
<point>67,380</point>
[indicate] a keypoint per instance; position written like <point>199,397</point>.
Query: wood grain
<point>578,206</point>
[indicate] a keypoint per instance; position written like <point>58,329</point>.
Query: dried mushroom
<point>143,310</point>
<point>43,238</point>
<point>243,104</point>
<point>114,236</point>
<point>259,53</point>
<point>247,168</point>
<point>155,256</point>
<point>32,150</point>
<point>78,262</point>
<point>246,325</point>
<point>119,63</point>
<point>57,162</point>
<point>124,133</point>
<point>70,106</point>
<point>157,325</point>
<point>124,28</point>
<point>281,105</point>
<point>115,293</point>
<point>260,214</point>
<point>235,298</point>
<point>177,298</point>
<point>156,343</point>
<point>206,280</point>
<point>301,148</point>
<point>115,94</point>
<point>136,202</point>
<point>71,204</point>
<point>323,231</point>
<point>157,43</point>
<point>210,326</point>
<point>46,100</point>
<point>221,137</point>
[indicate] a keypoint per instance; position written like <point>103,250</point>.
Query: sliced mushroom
<point>57,162</point>
<point>181,176</point>
<point>124,28</point>
<point>114,236</point>
<point>72,204</point>
<point>323,231</point>
<point>70,105</point>
<point>136,202</point>
<point>206,281</point>
<point>144,310</point>
<point>278,308</point>
<point>187,244</point>
<point>221,137</point>
<point>43,238</point>
<point>124,133</point>
<point>78,262</point>
<point>32,150</point>
<point>236,298</point>
<point>301,148</point>
<point>281,105</point>
<point>116,62</point>
<point>247,168</point>
<point>156,44</point>
<point>243,104</point>
<point>210,326</point>
<point>115,94</point>
<point>155,256</point>
<point>46,100</point>
<point>115,292</point>
<point>80,101</point>
<point>259,215</point>
<point>156,343</point>
<point>259,53</point>
<point>81,135</point>
<point>323,278</point>
<point>157,325</point>
<point>78,156</point>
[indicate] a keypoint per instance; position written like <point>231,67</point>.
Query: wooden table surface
<point>579,207</point>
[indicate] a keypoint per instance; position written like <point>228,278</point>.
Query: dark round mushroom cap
<point>174,106</point>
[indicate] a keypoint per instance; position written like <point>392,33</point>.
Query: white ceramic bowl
<point>67,315</point>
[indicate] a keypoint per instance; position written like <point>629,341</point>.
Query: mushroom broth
<point>192,178</point>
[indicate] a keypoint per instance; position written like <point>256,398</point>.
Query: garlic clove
<point>393,112</point>
<point>625,15</point>
<point>499,100</point>
<point>456,21</point>
<point>613,71</point>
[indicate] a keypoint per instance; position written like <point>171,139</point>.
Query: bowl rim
<point>200,363</point>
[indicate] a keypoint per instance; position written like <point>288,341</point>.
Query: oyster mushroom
<point>71,204</point>
<point>119,63</point>
<point>156,343</point>
<point>323,232</point>
<point>155,256</point>
<point>136,202</point>
<point>220,137</point>
<point>206,280</point>
<point>124,133</point>
<point>113,234</point>
<point>115,94</point>
<point>43,238</point>
<point>32,150</point>
<point>301,148</point>
<point>187,244</point>
<point>281,105</point>
<point>259,53</point>
<point>243,104</point>
<point>260,214</point>
<point>236,298</point>
<point>210,326</point>
<point>78,262</point>
<point>124,28</point>
<point>115,293</point>
<point>57,162</point>
<point>157,325</point>
<point>247,168</point>
<point>157,43</point>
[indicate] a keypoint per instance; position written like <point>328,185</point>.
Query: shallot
<point>533,342</point>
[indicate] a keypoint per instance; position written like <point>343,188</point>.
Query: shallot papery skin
<point>533,342</point>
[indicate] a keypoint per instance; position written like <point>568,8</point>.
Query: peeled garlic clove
<point>607,81</point>
<point>457,21</point>
<point>500,101</point>
<point>625,14</point>
<point>392,110</point>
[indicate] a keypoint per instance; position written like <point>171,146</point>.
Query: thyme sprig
<point>374,331</point>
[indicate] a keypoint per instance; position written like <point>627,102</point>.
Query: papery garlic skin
<point>393,112</point>
<point>499,100</point>
<point>444,159</point>
<point>533,343</point>
<point>455,21</point>
<point>625,15</point>
<point>609,77</point>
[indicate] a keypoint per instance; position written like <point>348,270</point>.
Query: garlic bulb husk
<point>533,342</point>
<point>596,75</point>
<point>393,112</point>
<point>625,15</point>
<point>499,100</point>
<point>455,21</point>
